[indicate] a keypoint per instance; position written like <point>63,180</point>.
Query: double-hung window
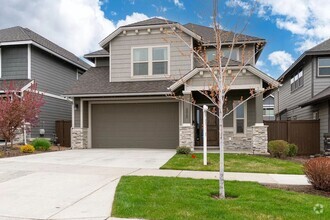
<point>297,80</point>
<point>324,66</point>
<point>150,61</point>
<point>239,117</point>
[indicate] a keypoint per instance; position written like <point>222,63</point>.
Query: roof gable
<point>151,21</point>
<point>24,34</point>
<point>208,36</point>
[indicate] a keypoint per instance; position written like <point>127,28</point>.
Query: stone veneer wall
<point>260,139</point>
<point>238,143</point>
<point>79,138</point>
<point>254,141</point>
<point>187,136</point>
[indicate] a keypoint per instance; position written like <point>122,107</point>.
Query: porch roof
<point>19,84</point>
<point>251,69</point>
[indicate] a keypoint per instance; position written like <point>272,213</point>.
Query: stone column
<point>259,110</point>
<point>186,129</point>
<point>79,138</point>
<point>259,139</point>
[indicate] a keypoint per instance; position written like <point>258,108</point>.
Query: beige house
<point>124,102</point>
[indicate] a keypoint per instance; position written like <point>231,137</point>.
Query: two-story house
<point>26,58</point>
<point>124,101</point>
<point>305,90</point>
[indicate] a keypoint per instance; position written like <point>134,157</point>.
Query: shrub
<point>183,150</point>
<point>278,148</point>
<point>41,144</point>
<point>293,150</point>
<point>27,149</point>
<point>317,171</point>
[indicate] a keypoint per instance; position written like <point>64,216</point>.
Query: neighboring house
<point>124,101</point>
<point>305,90</point>
<point>26,58</point>
<point>269,105</point>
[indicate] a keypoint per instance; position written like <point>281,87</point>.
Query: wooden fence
<point>304,133</point>
<point>63,133</point>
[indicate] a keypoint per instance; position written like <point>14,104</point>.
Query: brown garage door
<point>131,125</point>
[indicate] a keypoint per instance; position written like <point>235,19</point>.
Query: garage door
<point>131,125</point>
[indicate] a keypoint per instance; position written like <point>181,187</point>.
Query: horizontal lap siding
<point>289,100</point>
<point>180,59</point>
<point>14,61</point>
<point>102,61</point>
<point>52,74</point>
<point>53,110</point>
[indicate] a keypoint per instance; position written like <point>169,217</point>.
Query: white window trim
<point>318,67</point>
<point>29,60</point>
<point>245,120</point>
<point>150,73</point>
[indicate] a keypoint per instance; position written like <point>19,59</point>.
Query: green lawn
<point>234,163</point>
<point>183,198</point>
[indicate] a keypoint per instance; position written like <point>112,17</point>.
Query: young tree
<point>17,108</point>
<point>221,79</point>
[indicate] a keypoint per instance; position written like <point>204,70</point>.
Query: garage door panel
<point>140,125</point>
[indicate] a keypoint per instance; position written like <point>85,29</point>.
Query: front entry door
<point>212,129</point>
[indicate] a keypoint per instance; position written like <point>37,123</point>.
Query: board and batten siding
<point>320,83</point>
<point>53,110</point>
<point>14,62</point>
<point>180,56</point>
<point>291,100</point>
<point>52,74</point>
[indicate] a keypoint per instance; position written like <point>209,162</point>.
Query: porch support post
<point>187,108</point>
<point>259,130</point>
<point>187,130</point>
<point>259,110</point>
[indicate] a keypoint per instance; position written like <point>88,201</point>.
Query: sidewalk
<point>285,179</point>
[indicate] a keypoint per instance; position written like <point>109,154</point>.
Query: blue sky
<point>234,15</point>
<point>289,26</point>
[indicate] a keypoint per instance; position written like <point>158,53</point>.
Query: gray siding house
<point>305,90</point>
<point>26,58</point>
<point>124,102</point>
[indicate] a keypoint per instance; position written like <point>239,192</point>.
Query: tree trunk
<point>221,146</point>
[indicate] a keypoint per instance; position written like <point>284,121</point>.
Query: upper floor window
<point>297,80</point>
<point>226,52</point>
<point>150,61</point>
<point>324,66</point>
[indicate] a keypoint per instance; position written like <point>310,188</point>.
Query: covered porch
<point>243,127</point>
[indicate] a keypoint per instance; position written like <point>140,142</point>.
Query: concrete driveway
<point>72,184</point>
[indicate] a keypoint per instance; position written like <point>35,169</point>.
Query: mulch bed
<point>301,189</point>
<point>15,151</point>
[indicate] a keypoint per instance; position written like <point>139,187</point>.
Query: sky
<point>289,26</point>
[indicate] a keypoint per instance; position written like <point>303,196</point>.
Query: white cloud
<point>113,13</point>
<point>281,59</point>
<point>245,6</point>
<point>160,9</point>
<point>179,4</point>
<point>79,30</point>
<point>309,20</point>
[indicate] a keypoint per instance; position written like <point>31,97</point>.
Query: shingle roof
<point>324,46</point>
<point>25,34</point>
<point>320,97</point>
<point>208,35</point>
<point>17,83</point>
<point>96,81</point>
<point>151,21</point>
<point>101,52</point>
<point>224,61</point>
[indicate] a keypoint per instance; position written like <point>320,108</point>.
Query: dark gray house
<point>305,90</point>
<point>26,58</point>
<point>124,101</point>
